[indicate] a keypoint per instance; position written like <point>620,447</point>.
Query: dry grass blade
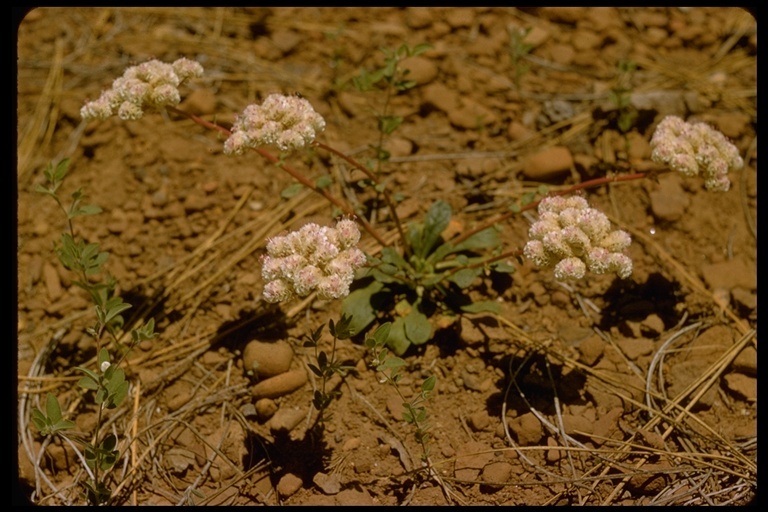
<point>36,135</point>
<point>674,414</point>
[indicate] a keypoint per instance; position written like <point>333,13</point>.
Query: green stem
<point>379,187</point>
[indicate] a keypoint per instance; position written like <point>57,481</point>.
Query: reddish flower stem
<point>580,186</point>
<point>387,198</point>
<point>298,176</point>
<point>366,225</point>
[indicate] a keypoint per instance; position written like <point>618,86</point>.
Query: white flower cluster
<point>313,258</point>
<point>150,84</point>
<point>573,237</point>
<point>289,122</point>
<point>693,148</point>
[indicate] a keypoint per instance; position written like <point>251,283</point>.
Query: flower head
<point>573,238</point>
<point>151,84</point>
<point>289,122</point>
<point>693,149</point>
<point>313,258</point>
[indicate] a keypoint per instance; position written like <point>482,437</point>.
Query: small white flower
<point>695,149</point>
<point>152,84</point>
<point>313,258</point>
<point>104,366</point>
<point>572,237</point>
<point>289,122</point>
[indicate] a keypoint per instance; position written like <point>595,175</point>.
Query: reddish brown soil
<point>574,394</point>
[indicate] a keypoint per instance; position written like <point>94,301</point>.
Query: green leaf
<point>106,452</point>
<point>87,209</point>
<point>503,267</point>
<point>291,190</point>
<point>465,277</point>
<point>103,356</point>
<point>441,252</point>
<point>423,239</point>
<point>397,339</point>
<point>109,442</point>
<point>485,239</point>
<point>323,181</point>
<point>90,381</point>
<point>417,327</point>
<point>343,330</point>
<point>429,384</point>
<point>40,421</point>
<point>53,408</point>
<point>420,48</point>
<point>63,425</point>
<point>116,386</point>
<point>145,332</point>
<point>358,305</point>
<point>388,124</point>
<point>322,359</point>
<point>404,85</point>
<point>115,306</point>
<point>392,257</point>
<point>489,306</point>
<point>42,190</point>
<point>381,334</point>
<point>385,273</point>
<point>391,363</point>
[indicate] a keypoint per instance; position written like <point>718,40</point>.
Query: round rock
<point>266,359</point>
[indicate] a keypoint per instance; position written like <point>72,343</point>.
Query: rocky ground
<point>602,391</point>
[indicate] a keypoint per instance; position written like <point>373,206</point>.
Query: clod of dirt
<point>495,475</point>
<point>746,362</point>
<point>634,348</point>
<point>730,274</point>
<point>651,479</point>
<point>420,69</point>
<point>472,461</point>
<point>577,425</point>
<point>741,386</point>
<point>591,349</point>
<point>528,429</point>
<point>669,202</point>
<point>554,454</point>
<point>288,485</point>
<point>178,460</point>
<point>548,164</point>
<point>266,359</point>
<point>329,484</point>
<point>350,497</point>
<point>178,394</point>
<point>280,385</point>
<point>286,420</point>
<point>265,408</point>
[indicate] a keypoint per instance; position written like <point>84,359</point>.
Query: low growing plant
<point>107,378</point>
<point>403,292</point>
<point>426,275</point>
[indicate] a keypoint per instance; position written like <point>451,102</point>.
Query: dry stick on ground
<point>612,387</point>
<point>178,417</point>
<point>255,240</point>
<point>298,176</point>
<point>703,384</point>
